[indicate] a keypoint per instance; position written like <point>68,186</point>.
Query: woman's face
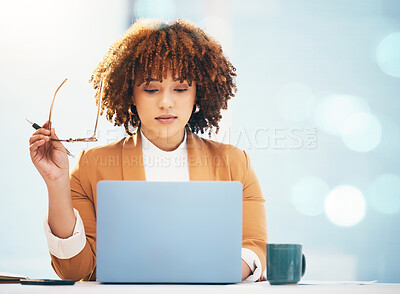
<point>164,108</point>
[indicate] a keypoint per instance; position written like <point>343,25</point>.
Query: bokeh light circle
<point>388,54</point>
<point>345,206</point>
<point>308,196</point>
<point>390,139</point>
<point>361,132</point>
<point>385,194</point>
<point>295,102</point>
<point>332,111</point>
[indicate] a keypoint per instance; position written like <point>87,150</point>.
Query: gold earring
<point>130,109</point>
<point>197,109</point>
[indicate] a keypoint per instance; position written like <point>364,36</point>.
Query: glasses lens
<point>91,139</point>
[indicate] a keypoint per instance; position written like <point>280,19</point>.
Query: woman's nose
<point>166,100</point>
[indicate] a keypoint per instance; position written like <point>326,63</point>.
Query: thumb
<point>53,134</point>
<point>56,144</point>
<point>46,124</point>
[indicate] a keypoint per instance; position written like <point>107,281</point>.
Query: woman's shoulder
<point>222,149</point>
<point>212,144</point>
<point>224,156</point>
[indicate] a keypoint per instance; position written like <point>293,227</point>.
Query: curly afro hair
<point>148,50</point>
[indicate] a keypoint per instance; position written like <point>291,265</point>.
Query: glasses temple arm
<point>99,107</point>
<point>52,102</point>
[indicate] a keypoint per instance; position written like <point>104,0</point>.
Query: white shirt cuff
<point>69,247</point>
<point>254,263</point>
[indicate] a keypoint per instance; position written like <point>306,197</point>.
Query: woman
<point>168,82</point>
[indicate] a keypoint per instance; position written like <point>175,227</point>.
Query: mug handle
<point>303,265</point>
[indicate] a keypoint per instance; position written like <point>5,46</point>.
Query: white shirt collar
<point>148,147</point>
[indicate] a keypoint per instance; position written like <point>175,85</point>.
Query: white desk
<point>253,288</point>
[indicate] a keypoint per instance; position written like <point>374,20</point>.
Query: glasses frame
<point>93,138</point>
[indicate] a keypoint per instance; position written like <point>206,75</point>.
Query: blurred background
<point>317,109</point>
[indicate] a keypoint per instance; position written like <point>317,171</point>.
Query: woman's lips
<point>166,119</point>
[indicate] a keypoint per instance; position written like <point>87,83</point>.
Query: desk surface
<point>94,287</point>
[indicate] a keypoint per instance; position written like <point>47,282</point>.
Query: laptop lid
<point>169,232</point>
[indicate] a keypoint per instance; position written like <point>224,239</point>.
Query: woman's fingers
<point>43,131</point>
<point>43,135</point>
<point>37,137</point>
<point>56,144</point>
<point>40,137</point>
<point>54,136</point>
<point>53,133</point>
<point>34,146</point>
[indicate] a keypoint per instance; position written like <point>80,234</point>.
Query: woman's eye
<point>151,91</point>
<point>180,90</point>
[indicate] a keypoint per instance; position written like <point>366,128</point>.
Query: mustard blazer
<point>123,160</point>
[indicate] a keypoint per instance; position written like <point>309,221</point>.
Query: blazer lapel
<point>198,159</point>
<point>132,158</point>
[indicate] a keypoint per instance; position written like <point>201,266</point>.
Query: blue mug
<point>286,263</point>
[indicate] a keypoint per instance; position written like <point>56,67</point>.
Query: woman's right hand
<point>49,157</point>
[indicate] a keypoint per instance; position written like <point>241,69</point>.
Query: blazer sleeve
<point>82,265</point>
<point>254,218</point>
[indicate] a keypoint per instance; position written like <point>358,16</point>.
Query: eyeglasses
<point>71,140</point>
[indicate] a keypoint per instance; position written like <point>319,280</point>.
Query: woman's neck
<point>167,143</point>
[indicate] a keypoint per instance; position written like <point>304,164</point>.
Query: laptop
<point>169,232</point>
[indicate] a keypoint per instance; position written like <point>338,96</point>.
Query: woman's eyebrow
<point>156,80</point>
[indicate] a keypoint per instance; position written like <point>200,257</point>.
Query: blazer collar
<point>198,158</point>
<point>132,158</point>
